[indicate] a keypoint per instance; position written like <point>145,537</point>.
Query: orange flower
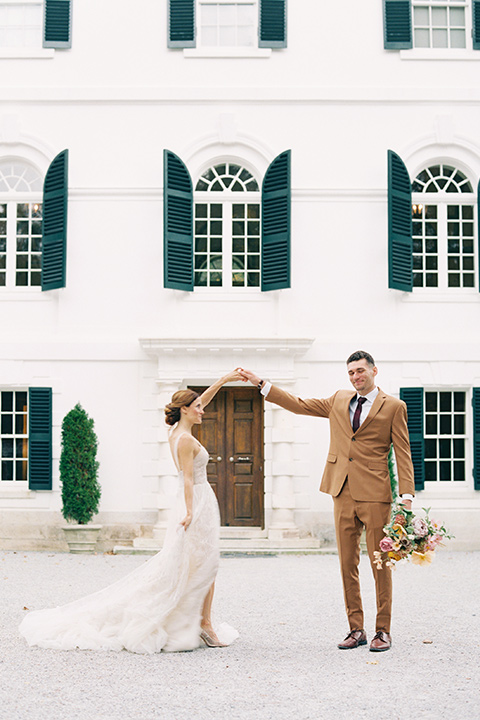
<point>395,556</point>
<point>422,558</point>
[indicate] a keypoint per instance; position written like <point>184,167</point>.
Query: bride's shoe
<point>209,640</point>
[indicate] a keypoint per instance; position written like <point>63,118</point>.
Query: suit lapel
<point>377,404</point>
<point>347,425</point>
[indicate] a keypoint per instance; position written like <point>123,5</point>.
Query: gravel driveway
<point>289,611</point>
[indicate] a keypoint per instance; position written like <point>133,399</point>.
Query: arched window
<point>20,225</point>
<point>227,228</point>
<point>443,231</point>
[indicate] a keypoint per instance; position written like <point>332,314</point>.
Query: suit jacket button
<point>353,439</point>
<point>350,459</point>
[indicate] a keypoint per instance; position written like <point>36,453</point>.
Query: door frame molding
<point>200,361</point>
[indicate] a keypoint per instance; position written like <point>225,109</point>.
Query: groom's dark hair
<point>361,355</point>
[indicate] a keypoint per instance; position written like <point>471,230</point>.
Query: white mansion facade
<point>192,185</point>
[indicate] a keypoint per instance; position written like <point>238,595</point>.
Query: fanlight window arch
<point>20,224</point>
<point>227,247</point>
<point>18,176</point>
<point>442,178</point>
<point>227,176</point>
<point>443,229</point>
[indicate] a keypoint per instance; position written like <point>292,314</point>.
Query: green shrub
<point>79,467</point>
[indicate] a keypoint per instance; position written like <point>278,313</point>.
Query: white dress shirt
<point>366,405</point>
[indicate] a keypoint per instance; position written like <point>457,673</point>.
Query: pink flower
<point>420,527</point>
<point>400,520</point>
<point>386,544</point>
<point>433,542</point>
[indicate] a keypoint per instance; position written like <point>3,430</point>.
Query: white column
<point>282,526</point>
<point>167,478</point>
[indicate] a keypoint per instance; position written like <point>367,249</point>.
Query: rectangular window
<point>227,244</point>
<point>440,23</point>
<point>425,245</point>
<point>20,24</point>
<point>14,435</point>
<point>445,436</point>
<point>246,245</point>
<point>28,272</point>
<point>227,24</point>
<point>20,244</point>
<point>443,246</point>
<point>460,249</point>
<point>208,261</point>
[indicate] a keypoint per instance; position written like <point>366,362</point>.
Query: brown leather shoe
<point>353,640</point>
<point>381,642</point>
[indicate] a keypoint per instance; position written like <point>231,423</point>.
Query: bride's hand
<point>186,520</point>
<point>249,376</point>
<point>234,376</point>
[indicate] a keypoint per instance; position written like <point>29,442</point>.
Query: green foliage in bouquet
<point>391,472</point>
<point>79,467</point>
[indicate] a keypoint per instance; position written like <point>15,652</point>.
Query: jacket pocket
<point>377,466</point>
<point>331,458</point>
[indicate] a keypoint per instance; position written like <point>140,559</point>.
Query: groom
<point>363,425</point>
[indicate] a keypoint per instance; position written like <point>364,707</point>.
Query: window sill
<point>33,295</point>
<point>27,53</point>
<point>17,494</point>
<point>439,54</point>
<point>217,294</point>
<point>227,52</point>
<point>441,297</point>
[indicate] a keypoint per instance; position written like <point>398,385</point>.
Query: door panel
<point>232,432</point>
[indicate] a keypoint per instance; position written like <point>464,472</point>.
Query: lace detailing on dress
<point>157,606</point>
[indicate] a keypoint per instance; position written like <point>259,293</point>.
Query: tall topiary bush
<point>79,467</point>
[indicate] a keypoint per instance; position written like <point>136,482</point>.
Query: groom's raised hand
<point>249,376</point>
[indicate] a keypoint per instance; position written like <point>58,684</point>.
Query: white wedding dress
<point>157,606</point>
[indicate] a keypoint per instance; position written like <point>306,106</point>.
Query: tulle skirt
<point>157,606</point>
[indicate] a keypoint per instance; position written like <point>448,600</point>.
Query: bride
<point>165,604</point>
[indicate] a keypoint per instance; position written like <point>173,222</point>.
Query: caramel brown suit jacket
<point>360,456</point>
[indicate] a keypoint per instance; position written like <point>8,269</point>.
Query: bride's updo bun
<point>182,398</point>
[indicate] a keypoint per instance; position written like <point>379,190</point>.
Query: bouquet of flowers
<point>409,537</point>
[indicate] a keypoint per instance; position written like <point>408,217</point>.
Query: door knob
<point>217,459</point>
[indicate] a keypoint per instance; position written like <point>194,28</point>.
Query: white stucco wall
<point>339,101</point>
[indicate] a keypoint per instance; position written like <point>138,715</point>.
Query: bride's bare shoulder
<point>184,442</point>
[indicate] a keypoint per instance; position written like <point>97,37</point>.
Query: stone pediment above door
<point>207,357</point>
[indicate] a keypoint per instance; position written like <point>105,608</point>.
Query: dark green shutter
<point>413,397</point>
<point>476,438</point>
<point>476,24</point>
<point>57,24</point>
<point>54,224</point>
<point>400,247</point>
<point>276,203</point>
<point>272,24</point>
<point>177,223</point>
<point>40,438</point>
<point>397,24</point>
<point>181,23</point>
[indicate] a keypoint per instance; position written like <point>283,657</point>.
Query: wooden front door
<point>232,432</point>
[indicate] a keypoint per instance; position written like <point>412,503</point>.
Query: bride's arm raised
<point>210,392</point>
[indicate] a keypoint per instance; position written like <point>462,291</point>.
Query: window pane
<point>420,16</point>
<point>457,39</point>
<point>422,38</point>
<point>458,470</point>
<point>439,38</point>
<point>430,471</point>
<point>445,424</point>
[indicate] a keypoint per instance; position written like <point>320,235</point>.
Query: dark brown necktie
<point>358,412</point>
